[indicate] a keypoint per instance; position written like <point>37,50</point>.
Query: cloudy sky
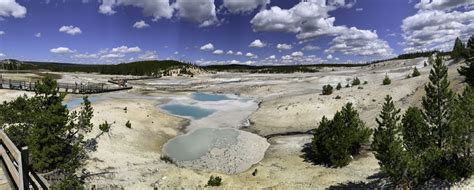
<point>229,31</point>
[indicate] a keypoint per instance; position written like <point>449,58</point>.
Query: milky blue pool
<point>196,144</point>
<point>188,111</point>
<point>209,97</point>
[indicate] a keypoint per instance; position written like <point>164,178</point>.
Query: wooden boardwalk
<point>62,87</point>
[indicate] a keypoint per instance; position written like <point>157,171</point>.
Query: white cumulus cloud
<point>442,4</point>
<point>198,11</point>
<point>207,47</point>
<point>61,50</point>
<point>126,49</point>
<point>360,42</point>
<point>230,52</point>
<point>257,44</point>
<point>436,25</point>
<point>2,33</point>
<point>153,8</point>
<point>140,24</point>
<point>218,52</point>
<point>310,19</point>
<point>297,54</point>
<point>11,8</point>
<point>243,6</point>
<point>71,30</point>
<point>38,35</point>
<point>284,46</point>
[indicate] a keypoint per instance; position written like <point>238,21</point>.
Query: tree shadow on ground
<point>308,154</point>
<point>377,182</point>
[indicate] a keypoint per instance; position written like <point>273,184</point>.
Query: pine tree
<point>336,140</point>
<point>327,89</point>
<point>463,125</point>
<point>438,102</point>
<point>387,143</point>
<point>386,80</point>
<point>355,81</point>
<point>339,86</point>
<point>458,49</point>
<point>54,135</point>
<point>468,70</point>
<point>416,134</point>
<point>415,72</point>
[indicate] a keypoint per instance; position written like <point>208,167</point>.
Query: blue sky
<point>228,31</point>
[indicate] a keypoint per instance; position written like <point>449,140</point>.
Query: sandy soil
<point>287,103</point>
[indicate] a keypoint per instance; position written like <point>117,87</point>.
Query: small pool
<point>187,110</point>
<point>206,97</point>
<point>76,102</point>
<point>197,143</point>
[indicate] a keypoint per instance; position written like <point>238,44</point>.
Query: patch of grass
<point>214,181</point>
<point>167,159</point>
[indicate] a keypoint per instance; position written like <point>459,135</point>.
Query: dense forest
<point>133,68</point>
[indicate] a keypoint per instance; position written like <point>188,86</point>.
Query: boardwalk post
<point>23,165</point>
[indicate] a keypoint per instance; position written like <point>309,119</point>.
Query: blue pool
<point>209,97</point>
<point>188,111</point>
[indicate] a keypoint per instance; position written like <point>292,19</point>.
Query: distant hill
<point>133,68</point>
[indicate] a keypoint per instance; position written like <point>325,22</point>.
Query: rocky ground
<point>130,158</point>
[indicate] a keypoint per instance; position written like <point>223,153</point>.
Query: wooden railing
<point>17,167</point>
<point>63,87</point>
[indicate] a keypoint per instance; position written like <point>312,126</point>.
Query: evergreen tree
<point>387,143</point>
<point>463,125</point>
<point>327,89</point>
<point>54,135</point>
<point>438,102</point>
<point>339,86</point>
<point>355,81</point>
<point>415,72</point>
<point>468,70</point>
<point>416,134</point>
<point>336,140</point>
<point>386,80</point>
<point>458,49</point>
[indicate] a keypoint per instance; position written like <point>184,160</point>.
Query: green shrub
<point>167,159</point>
<point>415,72</point>
<point>386,80</point>
<point>339,86</point>
<point>327,89</point>
<point>104,127</point>
<point>128,125</point>
<point>214,181</point>
<point>355,81</point>
<point>348,85</point>
<point>337,97</point>
<point>365,82</point>
<point>336,140</point>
